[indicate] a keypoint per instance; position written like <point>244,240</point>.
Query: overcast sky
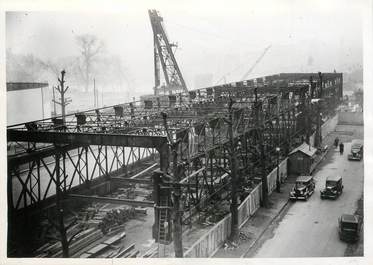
<point>214,37</point>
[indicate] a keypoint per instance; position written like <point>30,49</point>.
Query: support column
<point>156,179</point>
<point>233,166</point>
<point>263,171</point>
<point>60,211</point>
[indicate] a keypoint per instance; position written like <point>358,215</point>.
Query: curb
<point>265,229</point>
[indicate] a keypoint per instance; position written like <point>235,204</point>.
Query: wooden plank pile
<point>151,253</point>
<point>109,249</point>
<point>80,241</point>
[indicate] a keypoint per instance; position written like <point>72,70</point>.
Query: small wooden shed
<point>302,159</point>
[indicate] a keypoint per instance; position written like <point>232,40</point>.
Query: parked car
<point>333,188</point>
<point>303,188</point>
<point>356,150</point>
<point>349,227</point>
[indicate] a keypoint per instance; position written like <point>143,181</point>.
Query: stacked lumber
<point>103,247</point>
<point>80,242</point>
<point>129,252</point>
<point>151,253</point>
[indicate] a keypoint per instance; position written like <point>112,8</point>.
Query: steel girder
<point>136,126</point>
<point>82,139</point>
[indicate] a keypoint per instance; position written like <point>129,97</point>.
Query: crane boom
<point>255,64</point>
<point>164,56</point>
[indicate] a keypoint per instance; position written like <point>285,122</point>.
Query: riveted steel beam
<point>86,138</point>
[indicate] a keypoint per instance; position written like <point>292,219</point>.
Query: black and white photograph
<point>230,130</point>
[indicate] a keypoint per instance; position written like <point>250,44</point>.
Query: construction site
<point>173,174</point>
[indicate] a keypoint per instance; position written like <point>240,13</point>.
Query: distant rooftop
<point>12,86</point>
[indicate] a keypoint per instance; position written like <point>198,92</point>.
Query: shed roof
<point>11,86</point>
<point>306,149</point>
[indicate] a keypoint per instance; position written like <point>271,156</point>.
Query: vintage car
<point>356,150</point>
<point>333,188</point>
<point>303,188</point>
<point>349,227</point>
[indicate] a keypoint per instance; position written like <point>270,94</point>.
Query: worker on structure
<point>341,147</point>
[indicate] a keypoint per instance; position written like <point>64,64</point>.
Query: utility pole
<point>318,135</point>
<point>54,102</point>
<point>42,101</point>
<point>263,169</point>
<point>177,215</point>
<point>259,136</point>
<point>94,94</point>
<point>321,84</point>
<point>278,149</point>
<point>233,165</point>
<point>278,182</point>
<point>62,90</point>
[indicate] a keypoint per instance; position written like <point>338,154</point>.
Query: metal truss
<point>164,55</point>
<point>104,144</point>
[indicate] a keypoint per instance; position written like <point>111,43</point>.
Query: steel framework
<point>189,138</point>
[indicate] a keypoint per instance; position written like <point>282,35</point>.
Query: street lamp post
<point>278,188</point>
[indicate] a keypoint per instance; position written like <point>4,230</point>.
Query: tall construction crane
<point>164,55</point>
<point>244,77</point>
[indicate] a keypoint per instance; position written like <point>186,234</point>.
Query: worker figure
<point>341,147</point>
<point>336,141</point>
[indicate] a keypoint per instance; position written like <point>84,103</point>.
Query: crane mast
<point>164,56</point>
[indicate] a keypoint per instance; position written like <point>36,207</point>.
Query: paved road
<point>309,229</point>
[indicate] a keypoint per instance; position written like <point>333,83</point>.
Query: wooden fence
<point>207,245</point>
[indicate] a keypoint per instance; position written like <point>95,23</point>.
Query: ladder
<point>163,225</point>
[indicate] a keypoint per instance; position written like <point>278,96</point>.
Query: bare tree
<point>90,47</point>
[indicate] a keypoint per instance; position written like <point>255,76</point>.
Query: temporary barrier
<point>272,177</point>
<point>249,206</point>
<point>211,241</point>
